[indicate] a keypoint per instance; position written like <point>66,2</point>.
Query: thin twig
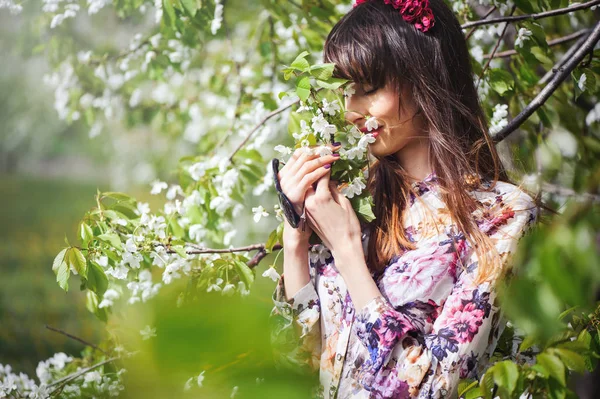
<point>568,192</point>
<point>563,59</point>
<point>259,124</point>
<point>487,63</point>
<point>262,252</point>
<point>553,42</point>
<point>540,15</point>
<point>75,338</point>
<point>559,76</point>
<point>487,14</point>
<point>83,371</point>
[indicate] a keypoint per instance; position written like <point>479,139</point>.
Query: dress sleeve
<point>295,327</point>
<point>430,365</point>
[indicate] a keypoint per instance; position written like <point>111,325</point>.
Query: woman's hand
<point>296,177</point>
<point>332,217</point>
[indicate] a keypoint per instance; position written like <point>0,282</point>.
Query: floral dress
<point>432,324</point>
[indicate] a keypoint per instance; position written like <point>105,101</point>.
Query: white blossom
<point>593,115</point>
<point>259,212</point>
<point>142,208</point>
<point>11,6</point>
<point>322,150</point>
<point>582,82</point>
<point>197,170</point>
<point>271,273</point>
<point>228,290</point>
<point>354,188</point>
<point>522,35</point>
<point>216,286</point>
<point>148,332</point>
<point>319,254</point>
<point>158,186</point>
<point>331,108</point>
<point>215,24</point>
<point>109,297</point>
<point>499,120</point>
<point>371,123</point>
<point>283,150</point>
<point>349,90</point>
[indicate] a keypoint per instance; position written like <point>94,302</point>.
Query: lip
<point>375,132</point>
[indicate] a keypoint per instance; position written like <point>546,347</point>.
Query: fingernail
<point>327,166</point>
<point>336,154</point>
<point>337,144</point>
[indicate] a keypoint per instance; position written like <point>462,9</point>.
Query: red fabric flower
<point>415,12</point>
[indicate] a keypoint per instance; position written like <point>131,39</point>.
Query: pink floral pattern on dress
<point>431,325</point>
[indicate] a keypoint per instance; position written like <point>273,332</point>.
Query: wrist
<point>293,241</point>
<point>349,251</point>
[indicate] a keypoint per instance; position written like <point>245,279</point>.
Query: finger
<point>323,185</point>
<point>310,178</point>
<point>303,158</point>
<point>336,194</point>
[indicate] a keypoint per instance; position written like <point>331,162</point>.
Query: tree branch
<point>487,63</point>
<point>262,122</point>
<point>262,252</point>
<point>553,42</point>
<point>560,74</point>
<point>487,14</point>
<point>540,15</point>
<point>79,373</point>
<point>75,338</point>
<point>568,192</point>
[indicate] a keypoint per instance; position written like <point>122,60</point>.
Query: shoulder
<point>504,206</point>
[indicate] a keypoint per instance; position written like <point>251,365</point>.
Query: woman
<point>405,306</point>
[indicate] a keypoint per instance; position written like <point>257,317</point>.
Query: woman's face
<point>398,131</point>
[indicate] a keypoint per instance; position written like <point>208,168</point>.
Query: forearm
<point>353,268</point>
<point>295,266</point>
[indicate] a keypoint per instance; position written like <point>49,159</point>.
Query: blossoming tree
<point>225,81</point>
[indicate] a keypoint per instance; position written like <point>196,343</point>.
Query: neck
<point>414,159</point>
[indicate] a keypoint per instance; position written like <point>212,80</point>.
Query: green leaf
<point>303,87</point>
<point>553,364</point>
<point>501,81</point>
<point>332,83</point>
<point>300,62</point>
<point>91,304</point>
<point>322,71</point>
<point>169,13</point>
<point>364,209</point>
<point>86,233</point>
<point>78,262</point>
<point>180,250</point>
<point>60,258</point>
<point>97,280</point>
<point>506,375</point>
<point>113,239</point>
<point>191,6</point>
<point>540,55</point>
<point>465,386</point>
<point>271,241</point>
<point>62,275</point>
<point>246,274</point>
<point>573,360</point>
<point>118,196</point>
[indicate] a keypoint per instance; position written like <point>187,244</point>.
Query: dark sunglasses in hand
<point>286,205</point>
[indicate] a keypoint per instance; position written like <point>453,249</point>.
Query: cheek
<point>385,107</point>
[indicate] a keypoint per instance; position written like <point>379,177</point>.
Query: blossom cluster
<point>89,384</point>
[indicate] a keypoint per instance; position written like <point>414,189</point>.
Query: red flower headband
<point>415,12</point>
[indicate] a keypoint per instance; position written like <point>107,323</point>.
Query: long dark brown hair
<point>373,45</point>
